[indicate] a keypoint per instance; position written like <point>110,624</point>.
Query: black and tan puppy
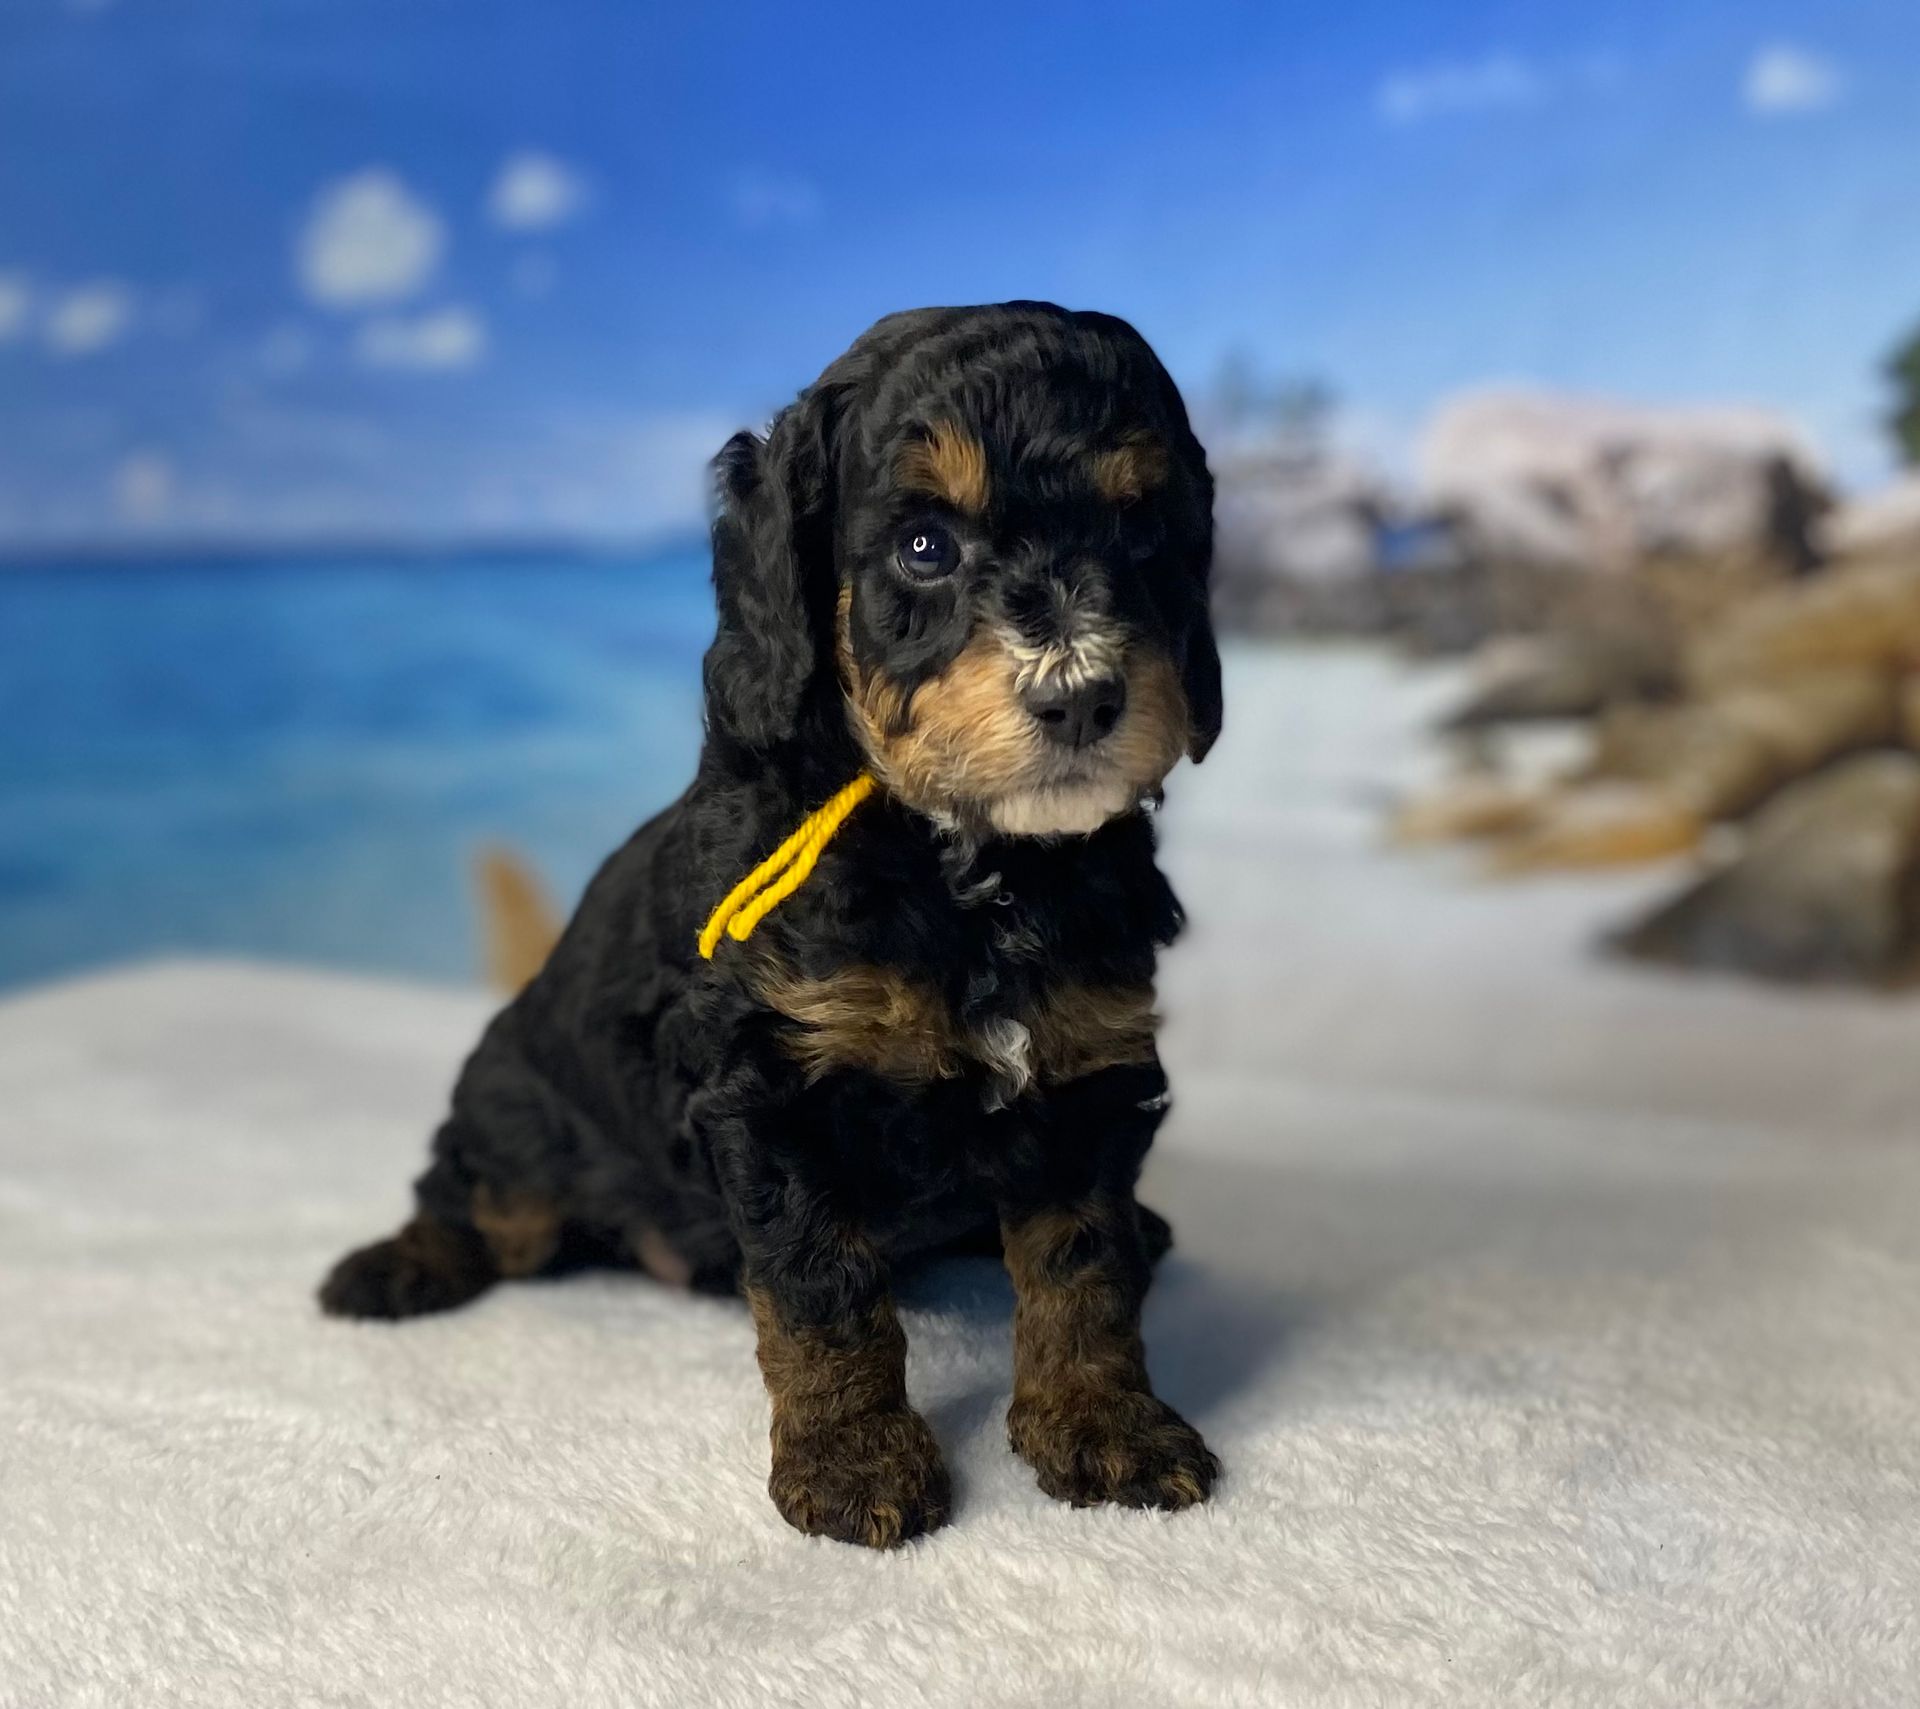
<point>969,563</point>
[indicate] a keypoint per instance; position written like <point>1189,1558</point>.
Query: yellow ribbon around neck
<point>782,872</point>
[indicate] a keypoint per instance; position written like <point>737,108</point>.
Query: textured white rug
<point>1559,1327</point>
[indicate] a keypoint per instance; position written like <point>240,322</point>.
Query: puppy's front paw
<point>876,1480</point>
<point>1094,1445</point>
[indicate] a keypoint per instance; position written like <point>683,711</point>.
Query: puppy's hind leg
<point>427,1266</point>
<point>455,1248</point>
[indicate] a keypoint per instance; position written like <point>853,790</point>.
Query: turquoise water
<point>298,761</point>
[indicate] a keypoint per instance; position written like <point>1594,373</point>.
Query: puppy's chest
<point>993,1003</point>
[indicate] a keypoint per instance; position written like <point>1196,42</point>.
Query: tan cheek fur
<point>967,737</point>
<point>963,740</point>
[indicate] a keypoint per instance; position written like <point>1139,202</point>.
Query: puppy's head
<point>982,540</point>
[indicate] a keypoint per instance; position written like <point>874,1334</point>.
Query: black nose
<point>1080,716</point>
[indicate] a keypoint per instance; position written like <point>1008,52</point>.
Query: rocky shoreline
<point>1772,731</point>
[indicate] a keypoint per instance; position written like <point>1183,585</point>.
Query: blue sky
<point>427,267</point>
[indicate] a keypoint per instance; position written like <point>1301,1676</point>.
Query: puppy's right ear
<point>773,577</point>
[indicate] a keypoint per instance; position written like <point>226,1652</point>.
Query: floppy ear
<point>1200,678</point>
<point>1199,656</point>
<point>772,572</point>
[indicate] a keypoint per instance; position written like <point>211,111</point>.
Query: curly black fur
<point>635,1099</point>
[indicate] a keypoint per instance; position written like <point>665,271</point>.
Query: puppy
<point>962,590</point>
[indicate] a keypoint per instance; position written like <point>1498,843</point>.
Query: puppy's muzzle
<point>1077,715</point>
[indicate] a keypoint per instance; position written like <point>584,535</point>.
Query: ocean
<point>299,760</point>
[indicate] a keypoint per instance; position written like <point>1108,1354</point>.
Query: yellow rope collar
<point>782,872</point>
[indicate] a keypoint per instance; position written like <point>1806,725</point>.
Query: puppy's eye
<point>928,552</point>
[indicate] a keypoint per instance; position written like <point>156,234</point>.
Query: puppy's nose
<point>1080,716</point>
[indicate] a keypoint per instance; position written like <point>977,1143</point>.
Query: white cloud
<point>1500,80</point>
<point>143,487</point>
<point>269,470</point>
<point>1782,79</point>
<point>761,199</point>
<point>88,318</point>
<point>448,338</point>
<point>612,472</point>
<point>368,239</point>
<point>536,192</point>
<point>16,306</point>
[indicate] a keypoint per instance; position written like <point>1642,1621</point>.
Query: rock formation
<point>1789,731</point>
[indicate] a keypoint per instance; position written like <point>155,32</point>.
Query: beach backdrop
<point>360,364</point>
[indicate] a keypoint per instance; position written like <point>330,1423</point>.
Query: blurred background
<point>359,362</point>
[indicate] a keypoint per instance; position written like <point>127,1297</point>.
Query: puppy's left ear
<point>1200,678</point>
<point>773,572</point>
<point>1200,656</point>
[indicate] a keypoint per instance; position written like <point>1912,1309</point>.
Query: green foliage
<point>1903,369</point>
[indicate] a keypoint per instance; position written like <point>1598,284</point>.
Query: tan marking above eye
<point>1129,471</point>
<point>948,463</point>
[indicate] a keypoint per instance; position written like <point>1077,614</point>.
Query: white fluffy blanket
<point>1559,1327</point>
